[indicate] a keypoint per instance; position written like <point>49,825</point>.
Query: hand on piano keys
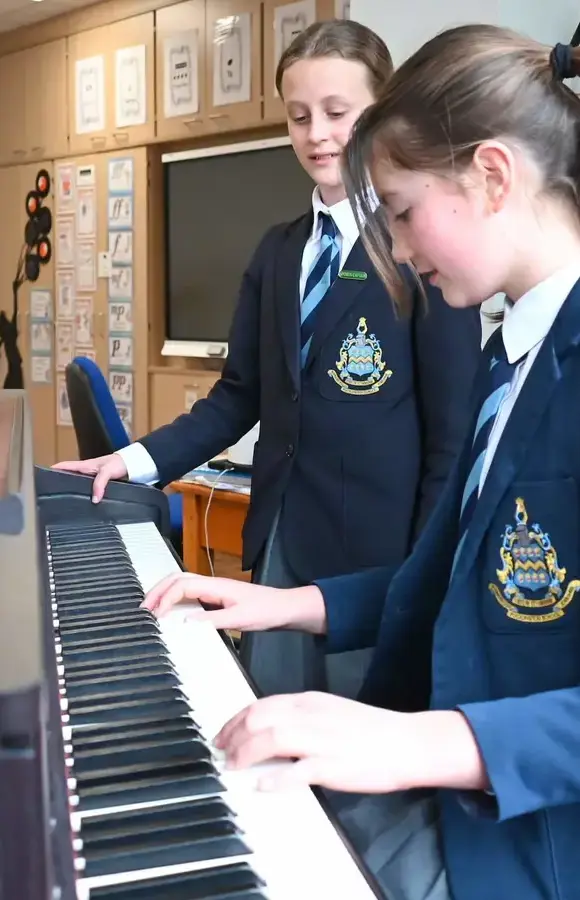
<point>241,606</point>
<point>154,813</point>
<point>337,743</point>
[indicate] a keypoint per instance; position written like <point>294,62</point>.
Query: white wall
<point>404,26</point>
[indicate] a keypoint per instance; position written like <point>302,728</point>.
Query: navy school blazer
<point>356,447</point>
<point>501,641</point>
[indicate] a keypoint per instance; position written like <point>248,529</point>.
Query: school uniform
<point>359,423</point>
<point>487,620</point>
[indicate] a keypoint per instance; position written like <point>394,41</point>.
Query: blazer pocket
<point>531,567</point>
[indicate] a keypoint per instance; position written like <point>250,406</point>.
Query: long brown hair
<point>465,86</point>
<point>346,40</point>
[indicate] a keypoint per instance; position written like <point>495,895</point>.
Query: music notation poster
<point>41,318</point>
<point>342,9</point>
<point>289,21</point>
<point>131,87</point>
<point>121,216</point>
<point>65,342</point>
<point>90,94</point>
<point>180,74</point>
<point>63,413</point>
<point>232,60</point>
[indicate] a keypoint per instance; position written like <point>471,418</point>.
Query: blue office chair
<point>99,428</point>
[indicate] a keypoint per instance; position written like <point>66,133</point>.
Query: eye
<point>336,115</point>
<point>299,120</point>
<point>403,216</point>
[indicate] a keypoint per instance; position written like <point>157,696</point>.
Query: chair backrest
<point>98,426</point>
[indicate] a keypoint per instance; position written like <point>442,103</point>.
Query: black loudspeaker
<point>38,250</point>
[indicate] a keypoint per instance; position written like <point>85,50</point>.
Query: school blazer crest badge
<point>360,368</point>
<point>532,578</point>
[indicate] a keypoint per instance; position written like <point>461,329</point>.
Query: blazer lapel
<point>523,423</point>
<point>341,296</point>
<point>287,294</point>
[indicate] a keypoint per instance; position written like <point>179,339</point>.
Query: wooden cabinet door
<point>46,126</point>
<point>283,20</point>
<point>180,71</point>
<point>233,64</point>
<point>120,90</point>
<point>126,87</point>
<point>12,93</point>
<point>173,393</point>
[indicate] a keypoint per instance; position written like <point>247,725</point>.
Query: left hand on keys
<point>348,746</point>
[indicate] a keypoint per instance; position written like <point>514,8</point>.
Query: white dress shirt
<point>525,327</point>
<point>140,465</point>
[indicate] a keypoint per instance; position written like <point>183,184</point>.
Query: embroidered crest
<point>531,576</point>
<point>361,368</point>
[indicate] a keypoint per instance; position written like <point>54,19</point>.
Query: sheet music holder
<point>24,833</point>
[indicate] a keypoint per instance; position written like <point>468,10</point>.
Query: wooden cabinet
<point>283,20</point>
<point>180,72</point>
<point>12,92</point>
<point>33,87</point>
<point>46,124</point>
<point>233,64</point>
<point>110,86</point>
<point>174,392</point>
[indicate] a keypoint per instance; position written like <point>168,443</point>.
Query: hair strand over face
<point>465,86</point>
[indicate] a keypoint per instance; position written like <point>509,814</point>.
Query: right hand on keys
<point>242,606</point>
<point>104,468</point>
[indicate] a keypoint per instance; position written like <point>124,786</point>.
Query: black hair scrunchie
<point>562,62</point>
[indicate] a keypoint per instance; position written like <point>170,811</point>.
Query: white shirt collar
<point>528,321</point>
<point>341,214</point>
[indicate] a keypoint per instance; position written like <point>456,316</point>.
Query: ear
<point>494,166</point>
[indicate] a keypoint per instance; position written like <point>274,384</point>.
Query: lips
<point>323,157</point>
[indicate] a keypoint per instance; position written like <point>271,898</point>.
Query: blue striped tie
<point>322,276</point>
<point>499,380</point>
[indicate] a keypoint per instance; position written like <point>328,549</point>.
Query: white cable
<point>206,518</point>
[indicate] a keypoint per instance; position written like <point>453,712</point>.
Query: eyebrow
<point>334,98</point>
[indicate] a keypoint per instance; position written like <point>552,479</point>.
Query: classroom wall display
<point>41,325</point>
<point>232,60</point>
<point>342,9</point>
<point>76,272</point>
<point>290,20</point>
<point>180,80</point>
<point>120,205</point>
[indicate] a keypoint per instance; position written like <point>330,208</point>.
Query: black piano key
<point>187,836</point>
<point>82,624</point>
<point>114,699</point>
<point>190,779</point>
<point>71,611</point>
<point>128,666</point>
<point>95,636</point>
<point>75,658</point>
<point>153,819</point>
<point>147,755</point>
<point>127,710</point>
<point>88,590</point>
<point>235,882</point>
<point>102,736</point>
<point>127,683</point>
<point>84,759</point>
<point>76,566</point>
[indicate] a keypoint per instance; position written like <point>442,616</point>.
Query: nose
<point>319,130</point>
<point>400,249</point>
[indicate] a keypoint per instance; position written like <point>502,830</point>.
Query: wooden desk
<point>227,514</point>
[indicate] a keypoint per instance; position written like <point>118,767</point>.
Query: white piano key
<point>296,848</point>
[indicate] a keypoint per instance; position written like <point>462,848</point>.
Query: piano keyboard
<point>154,814</point>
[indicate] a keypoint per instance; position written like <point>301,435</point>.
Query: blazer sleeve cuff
<point>354,607</point>
<point>529,746</point>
